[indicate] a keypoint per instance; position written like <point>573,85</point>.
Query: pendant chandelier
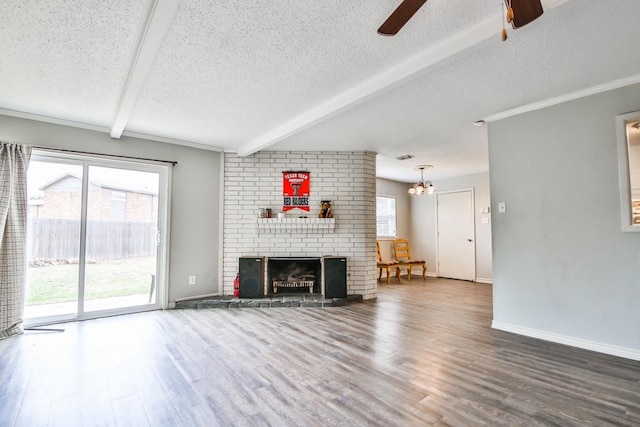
<point>421,187</point>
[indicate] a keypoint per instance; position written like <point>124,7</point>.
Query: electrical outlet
<point>192,279</point>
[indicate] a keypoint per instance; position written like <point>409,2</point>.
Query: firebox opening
<point>293,275</point>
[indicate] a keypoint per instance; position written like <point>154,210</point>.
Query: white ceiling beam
<point>384,81</point>
<point>376,85</point>
<point>156,22</point>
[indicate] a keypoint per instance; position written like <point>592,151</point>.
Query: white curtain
<point>14,161</point>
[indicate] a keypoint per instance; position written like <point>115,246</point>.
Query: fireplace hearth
<point>293,275</point>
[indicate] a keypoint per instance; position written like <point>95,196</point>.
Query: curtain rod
<point>173,163</point>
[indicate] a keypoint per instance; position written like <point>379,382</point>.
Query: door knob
<point>469,240</point>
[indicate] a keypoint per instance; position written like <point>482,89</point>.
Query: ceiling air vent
<point>405,157</point>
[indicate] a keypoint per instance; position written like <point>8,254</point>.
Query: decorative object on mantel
<point>264,213</point>
<point>295,190</point>
<point>421,187</point>
<point>325,209</point>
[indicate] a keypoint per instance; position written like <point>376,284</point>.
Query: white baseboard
<point>414,274</point>
<point>197,297</point>
<point>478,279</point>
<point>627,353</point>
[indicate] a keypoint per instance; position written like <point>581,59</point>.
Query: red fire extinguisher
<point>236,286</point>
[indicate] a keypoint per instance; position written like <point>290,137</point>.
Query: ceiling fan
<point>519,13</point>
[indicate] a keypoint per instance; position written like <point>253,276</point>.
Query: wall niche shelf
<point>296,225</point>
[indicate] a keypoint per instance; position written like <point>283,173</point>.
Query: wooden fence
<point>59,239</point>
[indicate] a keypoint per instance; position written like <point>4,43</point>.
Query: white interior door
<point>456,235</point>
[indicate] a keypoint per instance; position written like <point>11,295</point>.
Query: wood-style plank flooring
<point>422,354</point>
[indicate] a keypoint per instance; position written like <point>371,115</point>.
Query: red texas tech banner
<point>295,190</point>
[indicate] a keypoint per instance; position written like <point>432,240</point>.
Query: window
<point>386,216</point>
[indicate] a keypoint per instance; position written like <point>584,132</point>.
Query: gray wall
<point>385,187</point>
<point>423,223</point>
<point>562,266</point>
<point>195,194</point>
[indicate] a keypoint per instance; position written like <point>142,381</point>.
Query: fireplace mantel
<point>296,225</point>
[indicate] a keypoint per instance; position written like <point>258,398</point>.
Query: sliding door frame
<point>163,236</point>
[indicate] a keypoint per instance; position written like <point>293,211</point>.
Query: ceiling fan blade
<point>400,16</point>
<point>525,11</point>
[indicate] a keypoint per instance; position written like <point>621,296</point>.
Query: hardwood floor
<point>422,354</point>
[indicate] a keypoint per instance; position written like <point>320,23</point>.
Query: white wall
<point>195,194</point>
<point>563,269</point>
<point>423,223</point>
<point>398,190</point>
<point>347,179</point>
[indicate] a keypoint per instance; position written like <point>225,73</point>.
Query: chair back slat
<point>378,254</point>
<point>401,249</point>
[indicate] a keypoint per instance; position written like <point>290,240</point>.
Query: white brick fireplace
<point>346,178</point>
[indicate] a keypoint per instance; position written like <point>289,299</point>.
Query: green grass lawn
<point>104,279</point>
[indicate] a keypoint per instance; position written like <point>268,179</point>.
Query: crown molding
<point>104,129</point>
<point>53,120</point>
<point>605,87</point>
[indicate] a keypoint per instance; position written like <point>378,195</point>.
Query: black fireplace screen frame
<point>294,275</point>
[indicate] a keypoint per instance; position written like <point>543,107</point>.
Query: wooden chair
<point>403,256</point>
<point>386,265</point>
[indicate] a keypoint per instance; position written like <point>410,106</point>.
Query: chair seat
<point>412,261</point>
<point>386,265</point>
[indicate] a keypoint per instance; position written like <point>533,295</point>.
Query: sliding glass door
<point>95,237</point>
<point>121,242</point>
<point>53,238</point>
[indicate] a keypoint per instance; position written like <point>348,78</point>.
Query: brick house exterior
<point>106,202</point>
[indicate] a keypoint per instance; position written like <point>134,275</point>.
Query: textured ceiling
<point>301,75</point>
<point>66,59</point>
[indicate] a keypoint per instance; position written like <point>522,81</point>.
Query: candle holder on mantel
<point>325,209</point>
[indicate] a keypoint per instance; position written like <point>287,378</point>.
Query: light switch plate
<point>502,207</point>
